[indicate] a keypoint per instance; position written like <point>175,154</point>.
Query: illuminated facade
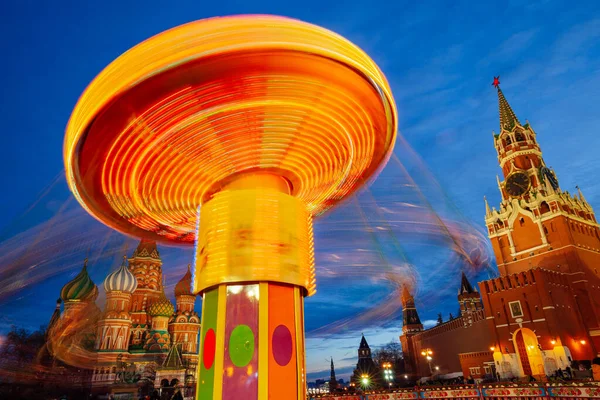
<point>543,311</point>
<point>139,327</point>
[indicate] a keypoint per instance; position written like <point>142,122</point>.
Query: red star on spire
<point>496,82</point>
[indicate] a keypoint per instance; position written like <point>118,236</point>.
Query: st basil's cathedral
<point>139,339</point>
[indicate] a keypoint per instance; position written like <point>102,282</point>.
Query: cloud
<point>428,323</point>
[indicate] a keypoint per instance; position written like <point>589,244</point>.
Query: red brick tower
<point>469,301</point>
<point>544,308</point>
<point>411,325</point>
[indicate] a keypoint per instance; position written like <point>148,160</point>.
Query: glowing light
<point>235,289</point>
<point>167,124</point>
<point>582,341</point>
<point>492,348</point>
<point>553,341</point>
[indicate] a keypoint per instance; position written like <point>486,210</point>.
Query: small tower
<point>114,328</point>
<point>160,311</point>
<point>468,299</point>
<point>184,325</point>
<point>411,325</point>
<point>173,368</point>
<point>364,351</point>
<point>333,383</point>
<point>410,316</point>
<point>78,293</point>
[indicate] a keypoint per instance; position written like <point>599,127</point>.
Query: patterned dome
<point>121,280</point>
<point>184,286</point>
<point>161,307</point>
<point>80,288</point>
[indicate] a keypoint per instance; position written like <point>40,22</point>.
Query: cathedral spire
<point>333,383</point>
<point>487,207</point>
<point>508,119</point>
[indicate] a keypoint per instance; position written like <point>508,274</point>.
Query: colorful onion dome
<point>80,288</point>
<point>161,307</point>
<point>122,280</point>
<point>184,286</point>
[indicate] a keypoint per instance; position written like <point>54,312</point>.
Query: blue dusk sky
<point>421,221</point>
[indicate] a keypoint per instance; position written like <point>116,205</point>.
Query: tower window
<point>519,137</point>
<point>521,221</point>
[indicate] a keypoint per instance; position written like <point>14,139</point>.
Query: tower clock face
<point>517,184</point>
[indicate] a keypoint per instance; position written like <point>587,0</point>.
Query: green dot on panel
<point>241,345</point>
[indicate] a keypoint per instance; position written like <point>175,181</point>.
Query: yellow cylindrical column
<point>254,265</point>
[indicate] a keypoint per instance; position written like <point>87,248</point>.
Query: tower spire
<point>487,207</point>
<point>581,195</point>
<point>508,119</point>
<point>500,187</point>
<point>410,317</point>
<point>333,383</point>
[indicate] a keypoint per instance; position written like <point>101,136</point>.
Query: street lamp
<point>364,379</point>
<point>388,373</point>
<point>427,353</point>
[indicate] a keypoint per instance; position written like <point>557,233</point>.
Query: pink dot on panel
<point>282,345</point>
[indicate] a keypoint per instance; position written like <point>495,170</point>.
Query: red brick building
<point>543,311</point>
<point>460,345</point>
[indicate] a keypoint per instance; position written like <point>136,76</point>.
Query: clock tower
<point>545,306</point>
<point>537,223</point>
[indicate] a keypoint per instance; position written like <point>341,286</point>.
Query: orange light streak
<point>174,119</point>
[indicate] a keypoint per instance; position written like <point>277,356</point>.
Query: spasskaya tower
<point>547,246</point>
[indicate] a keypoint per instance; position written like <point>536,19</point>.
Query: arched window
<point>544,207</point>
<point>519,137</point>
